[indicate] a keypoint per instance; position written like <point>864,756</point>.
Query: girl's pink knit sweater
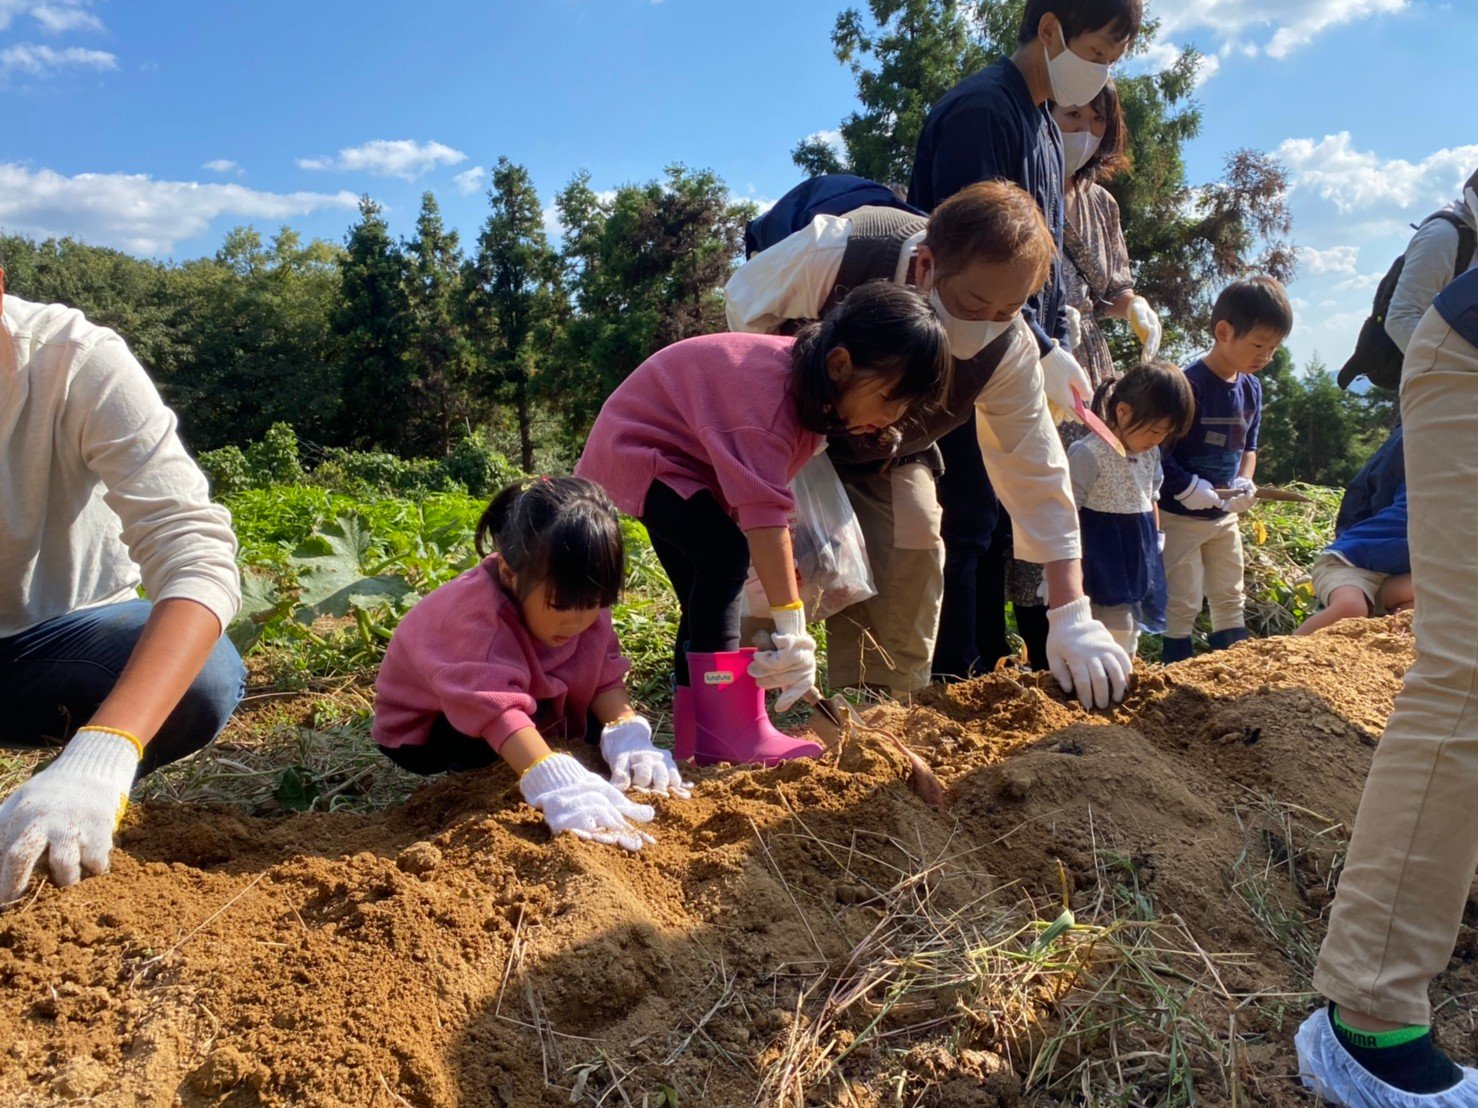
<point>714,413</point>
<point>464,652</point>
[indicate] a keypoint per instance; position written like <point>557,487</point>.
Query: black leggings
<point>706,557</point>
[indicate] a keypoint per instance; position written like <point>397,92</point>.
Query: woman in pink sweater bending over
<point>701,442</point>
<point>520,650</point>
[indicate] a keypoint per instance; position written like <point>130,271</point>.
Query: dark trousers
<point>977,548</point>
<point>54,676</point>
<point>706,557</point>
<point>1032,626</point>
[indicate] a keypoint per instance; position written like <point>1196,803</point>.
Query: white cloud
<point>134,212</point>
<point>403,158</point>
<point>1336,259</point>
<point>1161,54</point>
<point>59,18</point>
<point>54,16</point>
<point>1277,27</point>
<point>223,165</point>
<point>470,180</point>
<point>1352,179</point>
<point>39,61</point>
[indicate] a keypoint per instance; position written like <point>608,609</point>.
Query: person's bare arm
<point>171,652</point>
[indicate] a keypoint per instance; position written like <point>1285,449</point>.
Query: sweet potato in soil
<point>446,952</point>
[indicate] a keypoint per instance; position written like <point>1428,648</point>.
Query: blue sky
<point>155,127</point>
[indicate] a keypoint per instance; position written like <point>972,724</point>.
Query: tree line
<point>411,345</point>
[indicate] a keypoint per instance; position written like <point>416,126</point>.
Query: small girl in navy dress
<point>1123,569</point>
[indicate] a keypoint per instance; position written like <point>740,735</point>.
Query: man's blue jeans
<point>54,676</point>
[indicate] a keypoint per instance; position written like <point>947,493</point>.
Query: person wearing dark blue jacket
<point>996,124</point>
<point>1366,570</point>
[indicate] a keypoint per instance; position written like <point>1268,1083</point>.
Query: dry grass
<point>290,751</point>
<point>1105,1005</point>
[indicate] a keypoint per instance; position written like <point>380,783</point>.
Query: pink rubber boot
<point>729,711</point>
<point>684,724</point>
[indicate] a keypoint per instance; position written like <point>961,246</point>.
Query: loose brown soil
<point>446,952</point>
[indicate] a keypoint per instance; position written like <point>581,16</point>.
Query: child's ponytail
<point>559,531</point>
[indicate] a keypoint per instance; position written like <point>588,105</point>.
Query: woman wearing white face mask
<point>1097,284</point>
<point>979,257</point>
<point>1096,277</point>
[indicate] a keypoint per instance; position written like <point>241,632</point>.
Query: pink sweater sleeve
<point>487,698</point>
<point>614,665</point>
<point>751,465</point>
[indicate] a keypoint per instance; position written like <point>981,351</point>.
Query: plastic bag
<point>830,555</point>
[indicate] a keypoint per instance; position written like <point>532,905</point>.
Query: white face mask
<point>968,337</point>
<point>1075,81</point>
<point>1078,148</point>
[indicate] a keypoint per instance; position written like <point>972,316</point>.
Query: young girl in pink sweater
<point>519,651</point>
<point>701,442</point>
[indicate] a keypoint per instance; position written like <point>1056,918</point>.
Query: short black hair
<point>1121,18</point>
<point>1252,303</point>
<point>562,532</point>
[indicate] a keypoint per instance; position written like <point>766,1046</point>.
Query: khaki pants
<point>889,640</point>
<point>1415,843</point>
<point>1119,621</point>
<point>1203,558</point>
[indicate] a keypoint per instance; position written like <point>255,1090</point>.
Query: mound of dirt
<point>446,952</point>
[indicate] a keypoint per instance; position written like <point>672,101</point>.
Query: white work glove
<point>68,811</point>
<point>1061,375</point>
<point>1199,496</point>
<point>583,803</point>
<point>1244,495</point>
<point>1160,541</point>
<point>1146,325</point>
<point>635,763</point>
<point>791,665</point>
<point>1074,320</point>
<point>1084,657</point>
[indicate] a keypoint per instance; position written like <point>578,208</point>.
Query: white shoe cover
<point>1328,1069</point>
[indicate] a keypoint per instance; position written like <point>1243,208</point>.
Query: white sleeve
<point>1024,457</point>
<point>1430,260</point>
<point>181,541</point>
<point>790,280</point>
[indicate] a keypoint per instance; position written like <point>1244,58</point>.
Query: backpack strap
<point>1467,239</point>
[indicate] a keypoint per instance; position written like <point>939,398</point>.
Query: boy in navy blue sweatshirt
<point>1208,476</point>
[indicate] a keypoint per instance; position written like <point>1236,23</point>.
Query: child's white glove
<point>1244,495</point>
<point>637,764</point>
<point>1160,541</point>
<point>68,811</point>
<point>583,803</point>
<point>1084,657</point>
<point>1061,376</point>
<point>791,665</point>
<point>1199,496</point>
<point>1146,325</point>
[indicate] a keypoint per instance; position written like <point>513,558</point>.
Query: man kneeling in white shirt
<point>98,497</point>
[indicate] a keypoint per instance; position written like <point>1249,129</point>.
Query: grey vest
<point>873,246</point>
<point>874,242</point>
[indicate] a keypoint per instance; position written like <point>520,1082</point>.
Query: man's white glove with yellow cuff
<point>68,811</point>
